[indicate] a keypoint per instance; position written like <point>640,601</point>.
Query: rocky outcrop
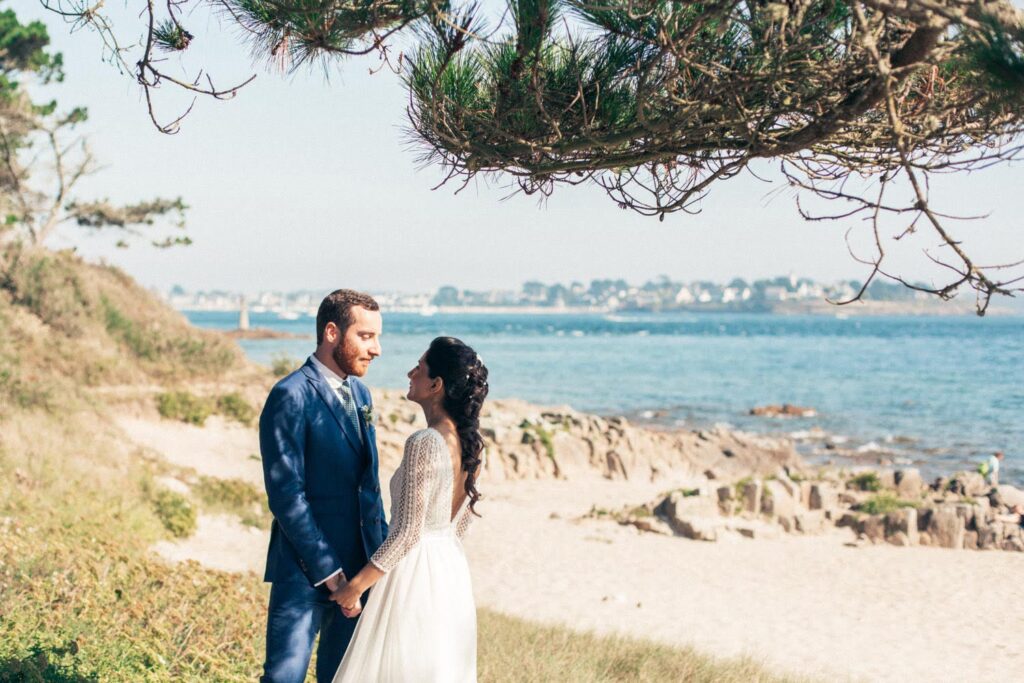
<point>525,441</point>
<point>784,410</point>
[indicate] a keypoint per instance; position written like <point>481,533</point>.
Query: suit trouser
<point>297,612</point>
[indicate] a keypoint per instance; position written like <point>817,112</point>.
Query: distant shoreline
<point>821,308</point>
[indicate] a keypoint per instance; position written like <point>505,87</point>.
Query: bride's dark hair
<point>465,388</point>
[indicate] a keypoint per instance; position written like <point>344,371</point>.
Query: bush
<point>176,513</point>
<point>234,496</point>
<point>884,503</point>
<point>181,405</point>
<point>46,284</point>
<point>282,364</point>
<point>237,408</point>
<point>867,481</point>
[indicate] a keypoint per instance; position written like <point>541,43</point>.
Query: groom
<point>320,469</point>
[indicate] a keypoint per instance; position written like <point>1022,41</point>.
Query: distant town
<point>600,296</point>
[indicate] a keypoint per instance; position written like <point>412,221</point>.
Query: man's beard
<point>342,359</point>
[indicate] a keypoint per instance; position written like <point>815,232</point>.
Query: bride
<point>419,623</point>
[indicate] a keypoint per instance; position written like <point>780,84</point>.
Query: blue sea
<point>939,393</point>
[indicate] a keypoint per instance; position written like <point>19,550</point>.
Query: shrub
<point>866,481</point>
<point>181,405</point>
<point>281,364</point>
<point>234,496</point>
<point>237,408</point>
<point>175,512</point>
<point>884,503</point>
<point>46,284</point>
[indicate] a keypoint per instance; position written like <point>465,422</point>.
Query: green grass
<point>175,512</point>
<point>187,407</point>
<point>234,496</point>
<point>866,481</point>
<point>237,408</point>
<point>184,406</point>
<point>884,503</point>
<point>281,364</point>
<point>513,650</point>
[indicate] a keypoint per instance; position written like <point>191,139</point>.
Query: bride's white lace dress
<point>419,623</point>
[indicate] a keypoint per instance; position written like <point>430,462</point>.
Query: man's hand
<point>347,598</point>
<point>335,582</point>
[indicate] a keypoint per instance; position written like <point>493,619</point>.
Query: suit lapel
<point>368,440</point>
<point>328,396</point>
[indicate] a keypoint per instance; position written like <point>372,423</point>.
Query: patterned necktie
<point>349,404</point>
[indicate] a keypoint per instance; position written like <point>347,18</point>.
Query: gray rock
<point>946,528</point>
<point>752,497</point>
<point>812,522</point>
<point>777,500</point>
<point>1010,495</point>
<point>899,538</point>
<point>726,499</point>
<point>909,483</point>
<point>822,497</point>
<point>925,538</point>
<point>903,521</point>
<point>851,520</point>
<point>758,530</point>
<point>988,538</point>
<point>696,528</point>
<point>873,527</point>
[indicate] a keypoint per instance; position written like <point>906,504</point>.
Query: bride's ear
<point>437,386</point>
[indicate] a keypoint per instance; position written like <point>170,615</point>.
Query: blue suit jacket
<point>322,482</point>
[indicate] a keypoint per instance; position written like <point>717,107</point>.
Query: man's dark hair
<point>337,308</point>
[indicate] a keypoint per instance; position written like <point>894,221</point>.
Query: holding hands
<point>347,596</point>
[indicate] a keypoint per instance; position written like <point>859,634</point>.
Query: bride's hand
<point>352,610</point>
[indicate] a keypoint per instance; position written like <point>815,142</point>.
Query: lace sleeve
<point>419,470</point>
<point>463,522</point>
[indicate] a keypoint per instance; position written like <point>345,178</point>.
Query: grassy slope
<point>81,598</point>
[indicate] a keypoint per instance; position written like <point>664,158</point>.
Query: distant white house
<point>684,295</point>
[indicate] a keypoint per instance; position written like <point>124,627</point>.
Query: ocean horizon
<point>935,392</point>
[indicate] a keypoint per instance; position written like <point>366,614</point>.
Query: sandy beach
<point>821,606</point>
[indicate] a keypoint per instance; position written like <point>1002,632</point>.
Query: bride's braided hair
<point>465,388</point>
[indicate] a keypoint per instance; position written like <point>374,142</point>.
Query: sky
<point>310,181</point>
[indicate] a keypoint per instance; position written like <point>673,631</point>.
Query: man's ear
<point>331,332</point>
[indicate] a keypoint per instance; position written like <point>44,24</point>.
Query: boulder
<point>812,522</point>
<point>887,478</point>
<point>777,500</point>
<point>946,528</point>
<point>925,538</point>
<point>988,538</point>
<point>899,538</point>
<point>752,497</point>
<point>851,520</point>
<point>726,499</point>
<point>968,484</point>
<point>909,483</point>
<point>1009,496</point>
<point>696,528</point>
<point>758,530</point>
<point>792,487</point>
<point>784,410</point>
<point>903,522</point>
<point>822,497</point>
<point>873,528</point>
<point>678,505</point>
<point>970,540</point>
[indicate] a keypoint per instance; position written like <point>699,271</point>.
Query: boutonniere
<point>369,417</point>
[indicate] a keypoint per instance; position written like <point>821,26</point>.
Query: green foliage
<point>559,654</point>
<point>866,481</point>
<point>187,407</point>
<point>183,406</point>
<point>175,513</point>
<point>282,364</point>
<point>883,503</point>
<point>532,431</point>
<point>234,406</point>
<point>125,330</point>
<point>236,497</point>
<point>46,284</point>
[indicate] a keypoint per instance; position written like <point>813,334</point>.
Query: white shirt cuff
<point>340,571</point>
